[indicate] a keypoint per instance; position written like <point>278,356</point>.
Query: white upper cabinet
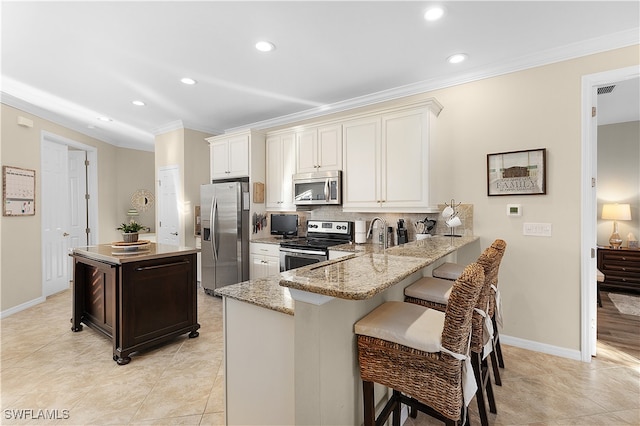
<point>386,162</point>
<point>281,165</point>
<point>319,149</point>
<point>229,157</point>
<point>361,175</point>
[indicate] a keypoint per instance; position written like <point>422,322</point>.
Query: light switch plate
<point>514,209</point>
<point>537,229</point>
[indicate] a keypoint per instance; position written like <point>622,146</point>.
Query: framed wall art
<point>18,191</point>
<point>517,173</point>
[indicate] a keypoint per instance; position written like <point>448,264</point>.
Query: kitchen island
<point>138,297</point>
<point>290,348</point>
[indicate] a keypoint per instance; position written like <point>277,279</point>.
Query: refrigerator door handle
<point>214,214</point>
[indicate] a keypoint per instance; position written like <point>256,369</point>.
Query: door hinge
<point>87,196</point>
<point>593,111</point>
<point>593,182</point>
<point>87,231</point>
<point>86,162</point>
<point>593,253</point>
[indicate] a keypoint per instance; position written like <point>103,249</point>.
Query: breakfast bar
<point>137,298</point>
<point>314,376</point>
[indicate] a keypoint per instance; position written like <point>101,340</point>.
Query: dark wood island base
<point>138,300</point>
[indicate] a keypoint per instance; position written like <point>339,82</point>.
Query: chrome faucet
<point>384,230</point>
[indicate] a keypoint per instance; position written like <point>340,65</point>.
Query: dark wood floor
<point>618,330</point>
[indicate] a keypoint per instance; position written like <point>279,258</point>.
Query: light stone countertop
<point>118,255</point>
<point>370,270</point>
<point>361,275</point>
<point>264,292</point>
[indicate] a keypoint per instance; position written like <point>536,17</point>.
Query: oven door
<point>291,258</point>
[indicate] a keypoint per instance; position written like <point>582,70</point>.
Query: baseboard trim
<point>541,347</point>
<point>22,307</point>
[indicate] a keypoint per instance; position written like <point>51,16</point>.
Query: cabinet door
<point>256,267</point>
<point>280,169</point>
<point>307,151</point>
<point>219,152</point>
<point>329,148</point>
<point>239,156</point>
<point>361,157</point>
<point>405,174</point>
<point>272,265</point>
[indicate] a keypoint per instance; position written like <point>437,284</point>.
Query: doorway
<point>590,85</point>
<point>69,206</point>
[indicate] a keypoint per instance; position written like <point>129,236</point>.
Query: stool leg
<point>369,404</point>
<point>486,382</point>
<point>496,342</point>
<point>494,366</point>
<point>397,410</point>
<point>476,362</point>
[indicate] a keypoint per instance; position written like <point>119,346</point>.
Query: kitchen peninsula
<point>137,298</point>
<point>290,350</point>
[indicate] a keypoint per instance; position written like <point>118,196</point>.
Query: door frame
<point>92,187</point>
<point>589,215</point>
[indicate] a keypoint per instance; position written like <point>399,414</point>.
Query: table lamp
<point>616,212</point>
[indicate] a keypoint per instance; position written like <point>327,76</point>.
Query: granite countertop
<point>265,292</point>
<point>361,275</point>
<point>107,253</point>
<point>370,270</point>
<point>269,240</point>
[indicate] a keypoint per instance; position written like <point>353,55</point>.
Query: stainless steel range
<point>314,248</point>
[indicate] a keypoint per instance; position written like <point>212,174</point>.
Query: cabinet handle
<point>148,268</point>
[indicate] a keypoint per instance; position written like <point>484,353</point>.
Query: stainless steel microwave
<point>317,188</point>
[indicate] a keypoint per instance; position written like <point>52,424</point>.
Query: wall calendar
<point>18,191</point>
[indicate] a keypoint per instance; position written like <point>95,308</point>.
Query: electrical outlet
<point>537,229</point>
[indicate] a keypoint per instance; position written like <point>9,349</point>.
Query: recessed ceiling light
<point>187,80</point>
<point>457,58</point>
<point>434,13</point>
<point>104,119</point>
<point>138,103</point>
<point>265,46</point>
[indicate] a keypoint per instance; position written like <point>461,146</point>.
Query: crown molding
<point>43,104</point>
<point>550,56</point>
<point>182,124</point>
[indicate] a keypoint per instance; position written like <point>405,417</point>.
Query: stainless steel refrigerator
<point>224,216</point>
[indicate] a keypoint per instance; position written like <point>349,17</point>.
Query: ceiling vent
<point>606,89</point>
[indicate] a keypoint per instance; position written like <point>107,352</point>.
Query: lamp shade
<point>616,212</point>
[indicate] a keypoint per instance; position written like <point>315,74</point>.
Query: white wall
<point>619,176</point>
<point>20,240</point>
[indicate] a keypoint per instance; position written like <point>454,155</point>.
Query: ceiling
<point>72,62</point>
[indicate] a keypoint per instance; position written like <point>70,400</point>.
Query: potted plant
<point>130,231</point>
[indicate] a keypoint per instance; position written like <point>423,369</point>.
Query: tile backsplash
<point>465,212</point>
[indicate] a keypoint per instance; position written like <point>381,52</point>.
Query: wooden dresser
<point>621,268</point>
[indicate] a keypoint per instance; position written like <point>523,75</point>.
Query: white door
<point>168,207</point>
<point>55,218</point>
<point>77,199</point>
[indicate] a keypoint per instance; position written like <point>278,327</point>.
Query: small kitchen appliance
<point>402,232</point>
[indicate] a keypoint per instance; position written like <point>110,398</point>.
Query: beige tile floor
<point>45,366</point>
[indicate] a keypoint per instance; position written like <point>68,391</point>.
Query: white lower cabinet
<point>264,260</point>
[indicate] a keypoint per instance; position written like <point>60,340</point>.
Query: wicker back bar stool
<point>420,353</point>
<point>436,290</point>
<point>482,329</point>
